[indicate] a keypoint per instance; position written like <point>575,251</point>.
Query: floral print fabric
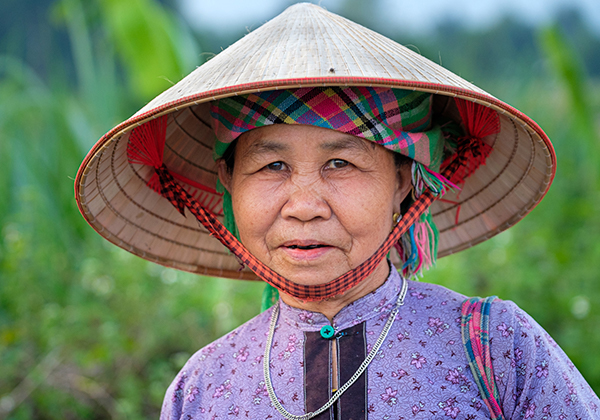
<point>420,372</point>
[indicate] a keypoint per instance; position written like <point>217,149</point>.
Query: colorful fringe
<point>418,246</point>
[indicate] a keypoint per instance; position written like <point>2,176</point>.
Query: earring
<point>396,217</point>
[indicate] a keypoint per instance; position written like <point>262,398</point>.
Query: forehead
<point>296,138</point>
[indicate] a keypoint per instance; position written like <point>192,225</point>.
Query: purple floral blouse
<point>420,371</point>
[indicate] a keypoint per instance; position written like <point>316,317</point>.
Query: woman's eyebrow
<point>264,146</point>
<point>346,143</point>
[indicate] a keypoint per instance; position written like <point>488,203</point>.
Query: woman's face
<point>312,203</point>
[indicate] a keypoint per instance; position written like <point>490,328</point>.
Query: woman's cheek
<point>253,217</point>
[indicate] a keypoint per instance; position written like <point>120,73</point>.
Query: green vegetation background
<point>89,331</point>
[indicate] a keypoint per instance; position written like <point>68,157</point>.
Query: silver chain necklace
<point>339,392</point>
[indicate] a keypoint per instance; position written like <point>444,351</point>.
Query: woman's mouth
<point>305,250</point>
<point>306,246</point>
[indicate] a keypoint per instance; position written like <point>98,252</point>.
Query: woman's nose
<point>306,201</point>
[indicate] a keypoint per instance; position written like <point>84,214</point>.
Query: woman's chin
<point>309,276</point>
<point>317,274</point>
<point>310,268</point>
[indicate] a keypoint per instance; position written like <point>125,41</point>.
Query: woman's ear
<point>224,174</point>
<point>404,183</point>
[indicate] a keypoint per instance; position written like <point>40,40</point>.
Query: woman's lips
<point>305,250</point>
<point>305,247</point>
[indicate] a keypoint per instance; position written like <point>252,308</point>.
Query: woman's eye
<point>276,166</point>
<point>337,163</point>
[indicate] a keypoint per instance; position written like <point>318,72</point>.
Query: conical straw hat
<point>304,46</point>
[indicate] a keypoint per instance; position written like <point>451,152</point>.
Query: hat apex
<point>307,42</point>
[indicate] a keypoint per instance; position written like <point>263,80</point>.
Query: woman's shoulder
<point>510,327</point>
<point>433,293</point>
<point>536,379</point>
<point>432,300</point>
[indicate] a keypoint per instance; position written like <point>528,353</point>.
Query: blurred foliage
<point>90,331</point>
<point>87,330</point>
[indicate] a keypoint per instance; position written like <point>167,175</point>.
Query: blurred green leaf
<point>569,69</point>
<point>148,41</point>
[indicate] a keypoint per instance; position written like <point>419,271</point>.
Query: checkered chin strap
<point>371,114</point>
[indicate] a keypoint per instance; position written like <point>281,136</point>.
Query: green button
<point>327,331</point>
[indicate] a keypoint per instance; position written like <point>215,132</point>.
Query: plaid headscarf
<point>399,120</point>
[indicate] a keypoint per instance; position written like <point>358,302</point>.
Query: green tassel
<point>228,217</point>
<point>269,297</point>
<point>423,179</point>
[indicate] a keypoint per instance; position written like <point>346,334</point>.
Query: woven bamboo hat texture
<point>304,46</point>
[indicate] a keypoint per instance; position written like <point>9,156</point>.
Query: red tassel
<point>146,146</point>
<point>471,151</point>
<point>479,121</point>
<point>147,143</point>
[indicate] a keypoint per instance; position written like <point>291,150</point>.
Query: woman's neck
<point>330,307</point>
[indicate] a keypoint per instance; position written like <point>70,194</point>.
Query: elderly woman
<point>313,149</point>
